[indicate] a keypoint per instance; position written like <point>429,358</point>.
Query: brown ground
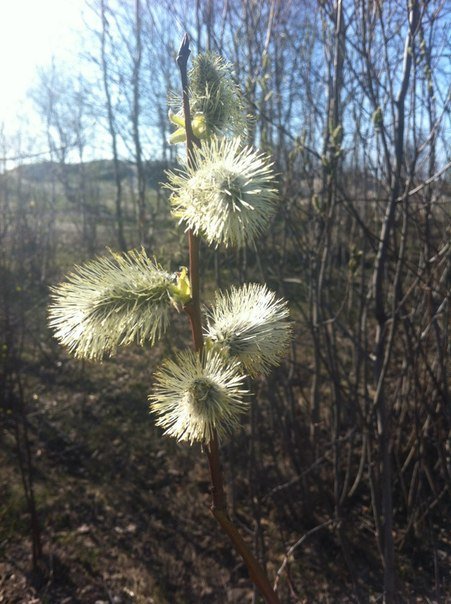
<point>125,512</point>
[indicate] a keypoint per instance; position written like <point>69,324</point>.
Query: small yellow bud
<point>183,282</point>
<point>180,292</point>
<point>198,124</point>
<point>176,119</point>
<point>179,135</point>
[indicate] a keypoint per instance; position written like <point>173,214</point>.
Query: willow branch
<point>218,505</point>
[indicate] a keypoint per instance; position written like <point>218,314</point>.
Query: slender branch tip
<point>184,51</point>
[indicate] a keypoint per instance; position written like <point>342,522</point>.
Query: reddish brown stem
<point>219,504</point>
<point>193,308</point>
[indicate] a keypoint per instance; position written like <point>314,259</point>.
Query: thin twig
<point>298,543</point>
